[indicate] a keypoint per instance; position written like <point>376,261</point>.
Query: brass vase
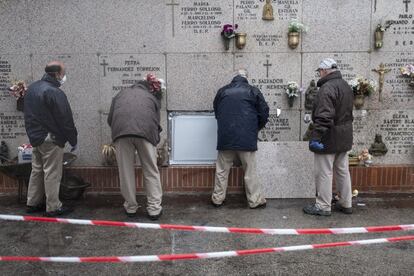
<point>240,40</point>
<point>293,39</point>
<point>359,101</point>
<point>379,36</point>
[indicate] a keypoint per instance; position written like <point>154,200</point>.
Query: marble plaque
<point>12,68</point>
<point>399,14</point>
<point>284,128</point>
<point>194,79</point>
<point>396,128</point>
<point>82,85</point>
<point>12,131</point>
<point>125,26</point>
<point>351,66</point>
<point>63,26</point>
<point>15,27</point>
<point>118,71</point>
<point>271,74</point>
<point>285,170</point>
<point>195,26</point>
<point>266,35</point>
<point>396,92</point>
<point>336,25</point>
<point>162,145</point>
<point>89,129</point>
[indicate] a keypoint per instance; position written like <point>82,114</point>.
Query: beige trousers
<point>326,167</point>
<point>223,166</point>
<point>47,163</point>
<point>125,156</point>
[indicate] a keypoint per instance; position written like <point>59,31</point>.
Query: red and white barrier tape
<point>349,230</point>
<point>192,256</point>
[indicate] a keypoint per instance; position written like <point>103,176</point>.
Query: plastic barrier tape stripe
<point>349,230</point>
<point>192,256</point>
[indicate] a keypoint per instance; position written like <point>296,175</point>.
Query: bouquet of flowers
<point>408,70</point>
<point>296,27</point>
<point>228,30</point>
<point>292,89</point>
<point>227,33</point>
<point>18,89</point>
<point>362,86</point>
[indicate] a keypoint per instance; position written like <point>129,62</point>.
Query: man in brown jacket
<point>134,119</point>
<point>331,138</point>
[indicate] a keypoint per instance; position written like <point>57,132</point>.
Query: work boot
<point>314,210</point>
<point>35,209</point>
<point>131,215</point>
<point>155,217</point>
<point>216,204</point>
<point>259,206</point>
<point>59,212</point>
<point>348,211</point>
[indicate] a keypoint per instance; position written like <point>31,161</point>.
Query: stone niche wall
<point>108,44</point>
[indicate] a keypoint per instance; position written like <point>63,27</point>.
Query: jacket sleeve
<point>262,110</point>
<point>111,112</point>
<point>324,114</point>
<point>63,115</point>
<point>216,102</point>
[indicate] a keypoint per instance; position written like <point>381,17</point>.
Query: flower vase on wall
<point>359,101</point>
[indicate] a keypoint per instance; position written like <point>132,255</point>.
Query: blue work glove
<point>316,145</point>
<point>75,147</point>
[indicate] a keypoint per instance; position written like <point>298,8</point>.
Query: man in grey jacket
<point>134,119</point>
<point>331,138</point>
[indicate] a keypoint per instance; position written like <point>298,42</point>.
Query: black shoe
<point>131,215</point>
<point>35,209</point>
<point>59,212</point>
<point>314,210</point>
<point>217,205</point>
<point>344,210</point>
<point>260,206</point>
<point>155,217</point>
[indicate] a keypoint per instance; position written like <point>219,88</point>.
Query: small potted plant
<point>292,91</point>
<point>227,33</point>
<point>294,30</point>
<point>408,71</point>
<point>18,90</point>
<point>362,88</point>
<point>379,34</point>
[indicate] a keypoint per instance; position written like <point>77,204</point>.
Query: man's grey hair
<point>242,72</point>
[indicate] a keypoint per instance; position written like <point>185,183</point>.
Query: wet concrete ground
<point>47,239</point>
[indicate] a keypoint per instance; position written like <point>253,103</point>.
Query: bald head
<point>55,69</point>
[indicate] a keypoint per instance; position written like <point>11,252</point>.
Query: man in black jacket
<point>49,125</point>
<point>241,111</point>
<point>331,138</point>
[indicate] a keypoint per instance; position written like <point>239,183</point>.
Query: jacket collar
<point>51,80</point>
<point>331,76</point>
<point>239,78</point>
<point>142,84</point>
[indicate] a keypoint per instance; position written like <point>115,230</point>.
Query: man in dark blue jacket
<point>49,125</point>
<point>241,111</point>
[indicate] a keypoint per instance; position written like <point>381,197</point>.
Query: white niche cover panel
<point>193,138</point>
